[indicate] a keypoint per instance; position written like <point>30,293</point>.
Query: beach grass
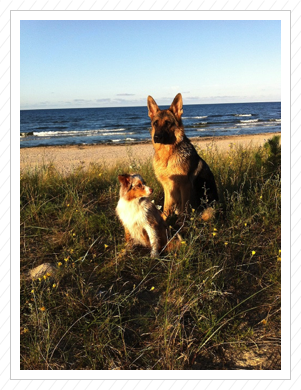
<point>212,304</point>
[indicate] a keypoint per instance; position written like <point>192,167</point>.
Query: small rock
<point>44,269</point>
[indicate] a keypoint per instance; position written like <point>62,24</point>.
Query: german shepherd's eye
<point>167,123</point>
<point>155,123</point>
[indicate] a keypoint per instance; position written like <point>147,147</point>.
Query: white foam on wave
<point>243,115</point>
<point>124,139</point>
<point>77,133</point>
<point>195,117</point>
<point>105,134</point>
<point>249,120</point>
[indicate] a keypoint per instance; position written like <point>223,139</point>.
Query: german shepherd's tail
<point>173,243</point>
<point>207,214</point>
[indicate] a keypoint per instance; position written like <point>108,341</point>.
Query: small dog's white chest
<point>131,213</point>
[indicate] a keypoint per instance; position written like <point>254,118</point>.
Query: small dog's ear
<point>177,106</point>
<point>124,179</point>
<point>152,107</point>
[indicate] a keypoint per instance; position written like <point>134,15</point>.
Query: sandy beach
<point>68,158</point>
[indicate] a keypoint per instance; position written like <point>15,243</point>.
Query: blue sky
<point>105,63</point>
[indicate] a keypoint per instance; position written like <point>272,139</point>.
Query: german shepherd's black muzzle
<point>163,137</point>
<point>158,138</point>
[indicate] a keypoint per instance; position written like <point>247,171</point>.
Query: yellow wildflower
<point>54,285</point>
<point>152,288</point>
<point>226,243</point>
<point>279,257</point>
<point>106,246</point>
<point>42,308</point>
<point>253,253</point>
<point>59,263</point>
<point>214,234</point>
<point>66,259</point>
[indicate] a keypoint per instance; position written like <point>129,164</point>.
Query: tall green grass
<point>110,308</point>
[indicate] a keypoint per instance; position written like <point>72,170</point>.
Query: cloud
<point>107,100</point>
<point>193,98</point>
<point>82,100</point>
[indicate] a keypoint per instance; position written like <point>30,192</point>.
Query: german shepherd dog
<point>184,175</point>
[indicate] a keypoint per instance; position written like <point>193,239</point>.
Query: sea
<point>87,126</point>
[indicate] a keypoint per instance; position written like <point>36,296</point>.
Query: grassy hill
<point>212,304</point>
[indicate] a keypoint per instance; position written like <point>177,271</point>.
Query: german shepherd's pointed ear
<point>152,107</point>
<point>177,106</point>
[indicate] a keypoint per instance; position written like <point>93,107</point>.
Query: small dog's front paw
<point>154,253</point>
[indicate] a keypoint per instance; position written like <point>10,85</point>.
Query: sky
<point>107,63</point>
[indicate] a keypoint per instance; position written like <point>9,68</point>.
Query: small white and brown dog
<point>142,221</point>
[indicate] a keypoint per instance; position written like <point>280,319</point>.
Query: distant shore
<point>68,158</point>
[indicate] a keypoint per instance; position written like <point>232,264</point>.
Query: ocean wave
<point>195,117</point>
<point>79,133</point>
<point>258,124</point>
<point>200,124</point>
<point>243,114</point>
<point>122,139</point>
<point>249,120</point>
<point>275,120</point>
<point>117,133</point>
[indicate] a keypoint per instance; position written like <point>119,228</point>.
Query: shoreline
<point>66,158</point>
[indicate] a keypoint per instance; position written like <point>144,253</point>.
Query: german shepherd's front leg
<point>185,196</point>
<point>172,199</point>
<point>168,204</point>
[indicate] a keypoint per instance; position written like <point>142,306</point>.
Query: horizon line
<point>162,105</point>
